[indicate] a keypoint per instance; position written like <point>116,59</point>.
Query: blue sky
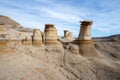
<point>65,14</point>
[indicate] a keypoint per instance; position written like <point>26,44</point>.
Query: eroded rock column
<point>68,36</point>
<point>86,45</point>
<point>51,35</point>
<point>65,33</point>
<point>37,37</point>
<point>85,30</point>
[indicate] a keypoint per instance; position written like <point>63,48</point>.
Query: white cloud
<point>61,16</point>
<point>51,11</point>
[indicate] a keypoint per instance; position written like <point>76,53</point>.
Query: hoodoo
<point>86,45</point>
<point>65,33</point>
<point>37,37</point>
<point>68,35</point>
<point>50,34</point>
<point>85,30</point>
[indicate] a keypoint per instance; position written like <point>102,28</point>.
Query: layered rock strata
<point>2,27</point>
<point>3,43</point>
<point>86,45</point>
<point>3,46</point>
<point>27,40</point>
<point>51,35</point>
<point>37,37</point>
<point>85,30</point>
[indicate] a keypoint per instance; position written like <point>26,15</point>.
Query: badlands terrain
<point>30,54</point>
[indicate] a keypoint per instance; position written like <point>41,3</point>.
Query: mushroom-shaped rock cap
<point>87,22</point>
<point>66,30</point>
<point>49,25</point>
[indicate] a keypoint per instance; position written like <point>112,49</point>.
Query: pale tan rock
<point>50,35</point>
<point>85,30</point>
<point>3,46</point>
<point>86,45</point>
<point>74,49</point>
<point>51,63</point>
<point>68,36</point>
<point>66,33</point>
<point>37,37</point>
<point>2,27</point>
<point>27,40</point>
<point>9,22</point>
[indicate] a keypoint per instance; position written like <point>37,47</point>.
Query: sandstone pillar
<point>50,34</point>
<point>68,36</point>
<point>86,45</point>
<point>37,37</point>
<point>85,31</point>
<point>65,33</point>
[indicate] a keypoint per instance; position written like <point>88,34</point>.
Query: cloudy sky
<point>65,14</point>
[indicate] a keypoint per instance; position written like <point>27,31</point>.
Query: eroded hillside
<point>41,56</point>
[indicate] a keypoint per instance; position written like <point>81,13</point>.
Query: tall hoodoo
<point>86,45</point>
<point>50,34</point>
<point>85,31</point>
<point>37,37</point>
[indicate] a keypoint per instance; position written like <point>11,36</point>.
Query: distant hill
<point>112,38</point>
<point>10,23</point>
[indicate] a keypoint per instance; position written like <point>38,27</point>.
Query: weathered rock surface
<point>51,36</point>
<point>85,30</point>
<point>27,40</point>
<point>37,37</point>
<point>2,27</point>
<point>3,46</point>
<point>33,63</point>
<point>11,24</point>
<point>86,45</point>
<point>68,36</point>
<point>8,22</point>
<point>66,61</point>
